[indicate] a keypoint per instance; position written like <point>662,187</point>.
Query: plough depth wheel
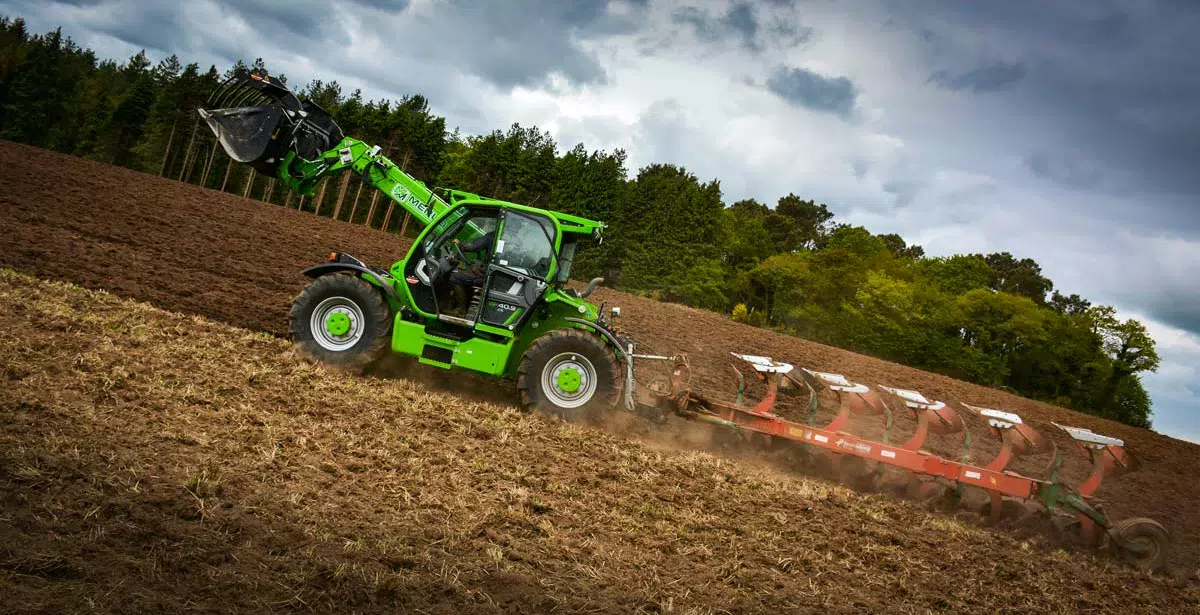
<point>1143,542</point>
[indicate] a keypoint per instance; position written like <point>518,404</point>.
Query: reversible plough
<point>907,465</point>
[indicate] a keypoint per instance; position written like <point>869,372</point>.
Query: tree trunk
<point>228,168</point>
<point>212,156</point>
<point>354,209</point>
<point>186,158</point>
<point>321,196</point>
<point>270,192</point>
<point>337,209</point>
<point>249,184</point>
<point>371,212</point>
<point>404,224</point>
<point>190,166</point>
<point>162,168</point>
<point>387,217</point>
<point>191,142</point>
<point>287,202</point>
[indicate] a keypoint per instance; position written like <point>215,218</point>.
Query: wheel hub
<point>569,380</point>
<point>337,324</point>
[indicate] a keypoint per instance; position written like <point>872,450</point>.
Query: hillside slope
<point>152,461</point>
<point>237,261</point>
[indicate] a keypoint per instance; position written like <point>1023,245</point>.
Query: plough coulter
<point>484,288</point>
<point>878,463</point>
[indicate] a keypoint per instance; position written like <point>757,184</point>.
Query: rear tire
<point>341,320</point>
<point>570,374</point>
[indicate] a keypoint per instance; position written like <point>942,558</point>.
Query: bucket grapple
<point>924,474</point>
<point>260,122</point>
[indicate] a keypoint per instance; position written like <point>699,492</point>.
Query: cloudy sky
<point>1065,131</point>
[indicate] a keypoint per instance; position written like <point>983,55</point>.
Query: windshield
<point>526,244</point>
<point>454,216</point>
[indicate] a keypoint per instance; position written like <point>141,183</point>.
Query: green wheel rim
<point>569,380</point>
<point>337,324</point>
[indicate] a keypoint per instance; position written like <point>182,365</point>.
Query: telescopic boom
<point>260,122</point>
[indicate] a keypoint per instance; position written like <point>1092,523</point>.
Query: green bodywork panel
<point>477,354</point>
<point>499,358</point>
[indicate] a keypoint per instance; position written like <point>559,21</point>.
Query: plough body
<point>1143,541</point>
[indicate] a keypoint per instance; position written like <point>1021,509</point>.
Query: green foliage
<point>1020,277</point>
<point>791,267</point>
<point>957,274</point>
<point>857,241</point>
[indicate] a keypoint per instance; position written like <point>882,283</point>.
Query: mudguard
<point>345,262</point>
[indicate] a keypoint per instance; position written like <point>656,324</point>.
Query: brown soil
<point>158,462</point>
<point>234,260</point>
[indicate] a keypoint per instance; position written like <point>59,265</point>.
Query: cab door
<point>522,261</point>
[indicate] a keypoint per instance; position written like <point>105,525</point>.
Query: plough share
<point>925,476</point>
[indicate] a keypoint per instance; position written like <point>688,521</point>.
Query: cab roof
<point>567,222</point>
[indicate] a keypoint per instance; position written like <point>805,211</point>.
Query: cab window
<point>526,244</point>
<point>445,223</point>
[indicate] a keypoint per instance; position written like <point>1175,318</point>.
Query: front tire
<point>341,320</point>
<point>570,374</point>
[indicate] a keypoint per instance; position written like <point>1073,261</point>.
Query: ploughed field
<point>174,461</point>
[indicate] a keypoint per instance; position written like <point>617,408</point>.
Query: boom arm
<point>259,121</point>
<point>376,170</point>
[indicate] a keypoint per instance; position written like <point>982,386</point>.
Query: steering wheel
<point>421,273</point>
<point>440,265</point>
<point>458,252</point>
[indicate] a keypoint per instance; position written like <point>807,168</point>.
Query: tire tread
<point>563,340</point>
<point>375,310</point>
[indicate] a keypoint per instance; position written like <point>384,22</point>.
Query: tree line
<point>993,319</point>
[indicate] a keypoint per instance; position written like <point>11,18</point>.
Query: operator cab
<point>483,266</point>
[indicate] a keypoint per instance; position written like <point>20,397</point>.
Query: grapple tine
<point>219,92</point>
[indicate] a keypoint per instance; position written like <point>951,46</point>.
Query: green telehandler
<point>518,320</point>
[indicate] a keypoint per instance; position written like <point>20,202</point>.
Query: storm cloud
<point>995,76</point>
<point>805,88</point>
